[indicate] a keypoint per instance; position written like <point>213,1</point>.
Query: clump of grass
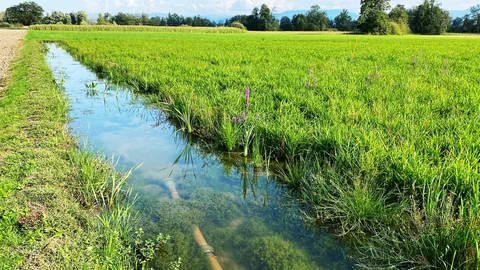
<point>181,111</point>
<point>257,153</point>
<point>441,234</point>
<point>229,132</point>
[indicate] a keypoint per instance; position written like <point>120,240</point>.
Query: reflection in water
<point>243,213</point>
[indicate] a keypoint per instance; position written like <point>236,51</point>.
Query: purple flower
<point>234,119</point>
<point>239,120</point>
<point>244,116</point>
<point>247,96</point>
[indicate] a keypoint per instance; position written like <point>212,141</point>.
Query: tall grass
<point>131,28</point>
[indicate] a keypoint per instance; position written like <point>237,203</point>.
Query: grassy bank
<point>60,207</point>
<point>380,134</point>
<point>131,28</point>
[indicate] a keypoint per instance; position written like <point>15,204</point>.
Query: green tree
<point>107,17</point>
<point>26,13</point>
<point>343,22</point>
<point>399,14</point>
<point>267,21</point>
<point>101,19</point>
<point>317,19</point>
<point>286,24</point>
<point>82,17</point>
<point>2,16</point>
<point>145,19</point>
<point>373,17</point>
<point>299,22</point>
<point>429,19</point>
<point>475,10</point>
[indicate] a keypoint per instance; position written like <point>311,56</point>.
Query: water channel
<point>247,218</point>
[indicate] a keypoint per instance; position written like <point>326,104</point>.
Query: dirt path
<point>8,47</point>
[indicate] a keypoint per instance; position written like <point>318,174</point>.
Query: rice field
<point>136,28</point>
<point>380,135</point>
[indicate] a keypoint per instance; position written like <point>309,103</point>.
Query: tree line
<point>376,17</point>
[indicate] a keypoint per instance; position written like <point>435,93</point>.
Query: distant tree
<point>299,22</point>
<point>81,17</point>
<point>144,19</point>
<point>101,19</point>
<point>158,21</point>
<point>343,22</point>
<point>174,19</point>
<point>373,17</point>
<point>429,19</point>
<point>286,24</point>
<point>126,19</point>
<point>399,14</point>
<point>26,13</point>
<point>73,17</point>
<point>267,21</point>
<point>253,21</point>
<point>475,10</point>
<point>243,19</point>
<point>2,16</point>
<point>456,26</point>
<point>317,19</point>
<point>107,17</point>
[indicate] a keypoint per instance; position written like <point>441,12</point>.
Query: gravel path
<point>8,47</point>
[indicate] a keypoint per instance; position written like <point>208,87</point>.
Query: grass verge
<point>60,207</point>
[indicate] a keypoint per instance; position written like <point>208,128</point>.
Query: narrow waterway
<point>244,215</point>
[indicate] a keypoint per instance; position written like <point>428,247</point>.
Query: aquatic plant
<point>247,124</point>
<point>91,89</point>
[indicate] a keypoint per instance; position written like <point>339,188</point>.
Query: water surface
<point>245,216</point>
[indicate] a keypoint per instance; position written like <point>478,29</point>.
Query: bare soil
<point>9,40</point>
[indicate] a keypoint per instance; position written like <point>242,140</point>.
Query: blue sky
<point>212,7</point>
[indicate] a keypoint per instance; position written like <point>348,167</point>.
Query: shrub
<point>5,25</point>
<point>399,29</point>
<point>239,25</point>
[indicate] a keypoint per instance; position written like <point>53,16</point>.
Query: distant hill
<point>459,13</point>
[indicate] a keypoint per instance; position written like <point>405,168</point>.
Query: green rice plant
<point>181,111</point>
<point>443,235</point>
<point>257,152</point>
<point>229,132</point>
<point>121,28</point>
<point>372,136</point>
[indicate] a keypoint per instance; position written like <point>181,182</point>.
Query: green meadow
<point>379,136</point>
